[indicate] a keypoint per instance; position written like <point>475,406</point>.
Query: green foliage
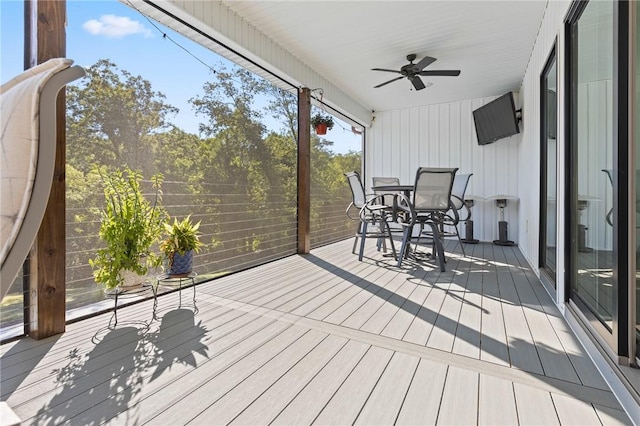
<point>322,119</point>
<point>182,236</point>
<point>111,117</point>
<point>236,177</point>
<point>131,224</point>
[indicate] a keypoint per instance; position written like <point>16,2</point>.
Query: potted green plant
<point>321,123</point>
<point>182,241</point>
<point>130,225</point>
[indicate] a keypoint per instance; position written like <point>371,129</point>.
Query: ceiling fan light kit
<point>413,72</point>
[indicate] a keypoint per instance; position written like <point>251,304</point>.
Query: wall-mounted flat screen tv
<point>496,120</point>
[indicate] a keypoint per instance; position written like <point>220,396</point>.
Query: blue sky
<point>107,29</point>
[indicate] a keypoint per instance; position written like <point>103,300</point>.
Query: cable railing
<point>237,233</point>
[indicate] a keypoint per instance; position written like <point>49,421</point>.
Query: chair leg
<point>460,241</point>
<point>438,244</point>
<point>405,241</point>
<point>393,246</point>
<point>362,238</point>
<point>358,235</point>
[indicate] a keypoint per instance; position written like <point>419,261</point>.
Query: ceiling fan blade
<point>387,82</point>
<point>417,83</point>
<point>450,73</point>
<point>383,69</point>
<point>424,62</point>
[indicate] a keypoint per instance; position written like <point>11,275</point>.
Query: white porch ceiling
<point>489,41</point>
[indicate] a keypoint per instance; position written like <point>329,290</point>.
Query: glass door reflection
<point>548,215</point>
<point>593,286</point>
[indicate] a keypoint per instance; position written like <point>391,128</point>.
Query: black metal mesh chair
<point>387,196</point>
<point>452,218</point>
<point>372,216</point>
<point>430,202</point>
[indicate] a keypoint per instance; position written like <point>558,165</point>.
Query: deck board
<point>323,339</point>
<point>385,401</point>
<point>346,403</point>
<point>459,405</point>
<point>422,401</point>
<point>497,404</point>
<point>402,319</point>
<point>306,406</point>
<point>535,406</point>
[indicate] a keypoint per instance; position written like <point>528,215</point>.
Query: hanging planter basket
<point>321,129</point>
<point>321,123</point>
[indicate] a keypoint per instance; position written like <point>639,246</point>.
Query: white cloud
<point>112,26</point>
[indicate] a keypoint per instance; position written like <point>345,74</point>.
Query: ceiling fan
<point>414,71</point>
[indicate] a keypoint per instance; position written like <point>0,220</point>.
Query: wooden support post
<point>46,34</point>
<point>304,171</point>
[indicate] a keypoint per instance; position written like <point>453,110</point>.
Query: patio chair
<point>28,125</point>
<point>452,217</point>
<point>387,196</point>
<point>372,216</point>
<point>430,203</point>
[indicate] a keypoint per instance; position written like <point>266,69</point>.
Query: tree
<point>113,117</point>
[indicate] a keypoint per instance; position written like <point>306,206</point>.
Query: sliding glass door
<point>548,170</point>
<point>593,288</point>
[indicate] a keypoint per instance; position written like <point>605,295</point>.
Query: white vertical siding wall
<point>443,135</point>
<point>551,30</point>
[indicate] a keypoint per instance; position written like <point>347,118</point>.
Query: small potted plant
<point>182,241</point>
<point>321,123</point>
<point>130,226</point>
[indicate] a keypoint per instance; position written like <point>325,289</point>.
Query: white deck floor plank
<point>496,402</point>
<point>346,403</point>
<point>554,359</point>
<point>203,391</point>
<point>522,349</point>
<point>535,406</point>
<point>364,291</point>
<point>270,295</point>
<point>357,291</point>
<point>116,349</point>
<point>274,386</point>
<point>387,310</point>
<point>385,401</point>
<point>467,337</point>
<point>404,316</point>
<point>326,297</point>
<point>493,340</point>
<point>309,290</point>
<point>459,405</point>
<point>323,339</point>
<point>99,403</point>
<point>306,406</point>
<point>444,329</point>
<point>579,359</point>
<point>422,401</point>
<point>422,325</point>
<point>372,306</point>
<point>611,416</point>
<point>575,412</point>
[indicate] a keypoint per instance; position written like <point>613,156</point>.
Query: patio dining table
<point>412,253</point>
<point>406,189</point>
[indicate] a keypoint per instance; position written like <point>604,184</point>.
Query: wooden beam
<point>304,171</point>
<point>47,307</point>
